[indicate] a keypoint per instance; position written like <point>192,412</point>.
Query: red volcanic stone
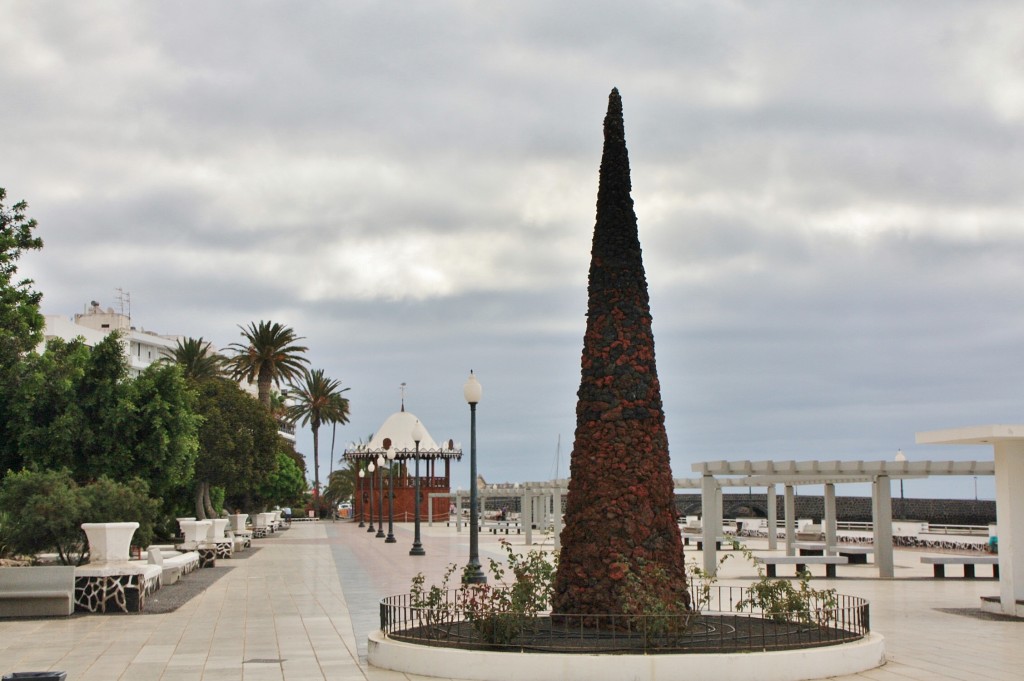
<point>620,508</point>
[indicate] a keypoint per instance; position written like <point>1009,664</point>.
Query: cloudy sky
<point>829,198</point>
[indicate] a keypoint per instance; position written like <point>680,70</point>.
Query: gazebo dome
<point>396,432</point>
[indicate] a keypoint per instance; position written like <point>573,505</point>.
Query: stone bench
<point>801,563</point>
<point>37,591</point>
<point>858,555</point>
<point>505,525</point>
<point>939,564</point>
<point>173,563</point>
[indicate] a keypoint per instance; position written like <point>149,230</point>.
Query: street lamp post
<point>417,547</point>
<point>380,497</point>
<point>473,574</point>
<point>391,497</point>
<point>362,501</point>
<point>370,468</point>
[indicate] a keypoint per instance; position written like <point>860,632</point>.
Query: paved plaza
<point>301,605</point>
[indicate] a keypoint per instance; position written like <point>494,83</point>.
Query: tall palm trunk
<point>315,427</point>
<point>264,381</point>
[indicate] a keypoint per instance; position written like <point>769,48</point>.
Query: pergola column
<point>882,525</point>
<point>773,519</point>
<point>526,517</point>
<point>1009,456</point>
<point>790,513</point>
<point>710,522</point>
<point>557,513</point>
<point>830,518</point>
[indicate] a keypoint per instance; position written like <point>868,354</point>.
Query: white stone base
<point>783,665</point>
<point>995,606</point>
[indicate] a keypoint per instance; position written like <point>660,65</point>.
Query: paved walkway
<point>300,608</point>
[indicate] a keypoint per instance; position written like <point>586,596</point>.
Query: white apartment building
<point>141,348</point>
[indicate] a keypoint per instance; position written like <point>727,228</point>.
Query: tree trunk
<point>200,512</point>
<point>211,512</point>
<point>316,466</point>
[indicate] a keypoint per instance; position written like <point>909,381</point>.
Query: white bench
<point>939,564</point>
<point>37,591</point>
<point>173,563</point>
<point>506,525</point>
<point>810,548</point>
<point>856,554</point>
<point>801,563</point>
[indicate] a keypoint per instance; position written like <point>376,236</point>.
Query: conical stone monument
<point>620,513</point>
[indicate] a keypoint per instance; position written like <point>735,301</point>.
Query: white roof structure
<point>396,434</point>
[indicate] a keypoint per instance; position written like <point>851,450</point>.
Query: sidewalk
<point>300,608</point>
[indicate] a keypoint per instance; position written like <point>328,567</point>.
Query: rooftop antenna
<point>124,300</point>
<point>401,390</point>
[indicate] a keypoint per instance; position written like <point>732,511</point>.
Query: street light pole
<point>370,468</point>
<point>417,547</point>
<point>380,497</point>
<point>472,391</point>
<point>362,501</point>
<point>391,498</point>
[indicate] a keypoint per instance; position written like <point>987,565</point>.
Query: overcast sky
<point>829,198</point>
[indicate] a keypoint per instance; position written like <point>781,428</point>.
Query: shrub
<point>46,510</point>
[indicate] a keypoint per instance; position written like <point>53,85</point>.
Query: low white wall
<point>783,665</point>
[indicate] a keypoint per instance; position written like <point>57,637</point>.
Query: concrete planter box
<point>237,522</point>
<point>109,542</point>
<point>195,530</point>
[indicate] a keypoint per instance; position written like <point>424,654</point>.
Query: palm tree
<point>317,400</point>
<point>269,355</point>
<point>196,359</point>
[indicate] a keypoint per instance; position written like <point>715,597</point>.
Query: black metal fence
<point>719,627</point>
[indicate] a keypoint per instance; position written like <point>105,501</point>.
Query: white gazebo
<point>1008,446</point>
<point>395,441</point>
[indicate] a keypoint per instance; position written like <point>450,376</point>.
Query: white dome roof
<point>398,429</point>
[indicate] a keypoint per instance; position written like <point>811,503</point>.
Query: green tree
<point>341,485</point>
<point>21,324</point>
<point>317,400</point>
<point>285,485</point>
<point>43,417</point>
<point>78,409</point>
<point>238,444</point>
<point>197,360</point>
<point>269,355</point>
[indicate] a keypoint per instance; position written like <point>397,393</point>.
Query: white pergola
<point>539,503</point>
<point>1008,448</point>
<point>716,475</point>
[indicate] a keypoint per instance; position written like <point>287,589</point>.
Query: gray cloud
<point>828,202</point>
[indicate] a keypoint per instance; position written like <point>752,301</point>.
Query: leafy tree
<point>21,324</point>
<point>42,420</point>
<point>341,485</point>
<point>317,400</point>
<point>46,510</point>
<point>285,485</point>
<point>238,443</point>
<point>77,409</point>
<point>197,360</point>
<point>269,355</point>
